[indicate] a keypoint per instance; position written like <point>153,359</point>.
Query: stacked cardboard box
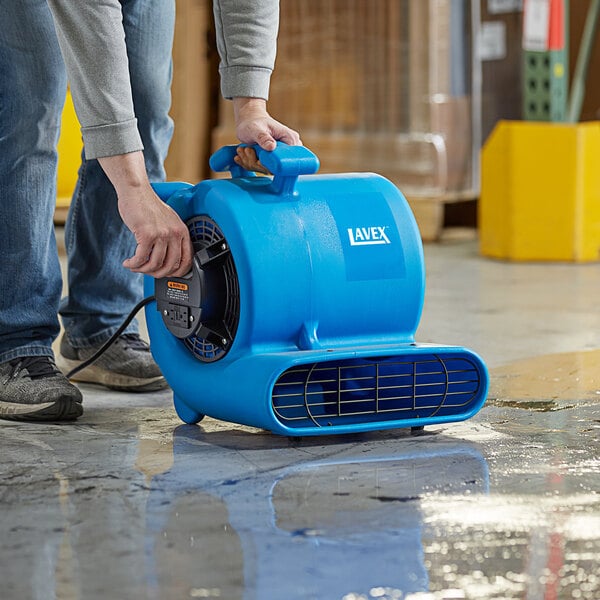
<point>378,85</point>
<point>194,91</point>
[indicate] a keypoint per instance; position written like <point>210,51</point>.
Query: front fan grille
<point>387,389</point>
<point>204,232</point>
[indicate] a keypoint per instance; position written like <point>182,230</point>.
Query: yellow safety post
<point>69,155</point>
<point>540,192</point>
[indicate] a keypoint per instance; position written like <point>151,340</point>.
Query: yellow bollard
<point>540,192</point>
<point>69,155</point>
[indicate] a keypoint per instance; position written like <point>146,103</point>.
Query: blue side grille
<point>375,390</point>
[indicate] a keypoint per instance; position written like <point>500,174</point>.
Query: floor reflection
<point>220,524</point>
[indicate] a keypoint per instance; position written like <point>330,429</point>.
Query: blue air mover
<point>300,311</point>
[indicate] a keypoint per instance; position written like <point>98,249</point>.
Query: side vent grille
<point>373,390</point>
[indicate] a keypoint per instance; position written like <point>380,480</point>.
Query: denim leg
<point>32,93</point>
<point>101,290</point>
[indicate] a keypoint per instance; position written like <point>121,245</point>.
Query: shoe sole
<point>64,409</point>
<point>111,380</point>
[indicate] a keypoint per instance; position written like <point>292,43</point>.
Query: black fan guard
<point>214,338</point>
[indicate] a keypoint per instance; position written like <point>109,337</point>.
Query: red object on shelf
<point>556,26</point>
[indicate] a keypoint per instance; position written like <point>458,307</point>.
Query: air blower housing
<point>300,312</point>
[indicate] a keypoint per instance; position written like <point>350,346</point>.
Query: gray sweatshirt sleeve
<point>92,41</point>
<point>247,41</point>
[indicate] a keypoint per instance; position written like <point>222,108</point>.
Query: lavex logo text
<point>368,236</point>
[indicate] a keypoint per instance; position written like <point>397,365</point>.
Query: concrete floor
<point>131,503</point>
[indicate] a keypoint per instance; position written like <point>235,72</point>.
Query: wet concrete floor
<point>131,503</point>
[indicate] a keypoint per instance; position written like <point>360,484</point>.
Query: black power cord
<point>112,339</point>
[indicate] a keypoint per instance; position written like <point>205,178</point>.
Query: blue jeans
<point>101,292</point>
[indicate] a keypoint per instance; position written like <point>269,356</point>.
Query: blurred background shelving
<point>410,89</point>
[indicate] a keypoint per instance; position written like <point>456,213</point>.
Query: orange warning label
<point>178,286</point>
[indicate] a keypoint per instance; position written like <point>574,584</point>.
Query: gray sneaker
<point>126,366</point>
<point>33,389</point>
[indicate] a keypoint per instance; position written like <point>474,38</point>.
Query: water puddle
<point>547,383</point>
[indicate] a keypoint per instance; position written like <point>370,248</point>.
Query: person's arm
<point>247,43</point>
<point>92,41</point>
<point>163,248</point>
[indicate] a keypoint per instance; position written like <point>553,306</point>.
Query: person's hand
<point>254,125</point>
<point>164,248</point>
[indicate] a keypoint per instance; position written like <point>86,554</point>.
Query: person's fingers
<point>266,141</point>
<point>247,154</point>
<point>246,158</point>
<point>187,256</point>
<point>277,132</point>
<point>285,134</point>
<point>156,258</point>
<point>165,259</point>
<point>171,262</point>
<point>140,258</point>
